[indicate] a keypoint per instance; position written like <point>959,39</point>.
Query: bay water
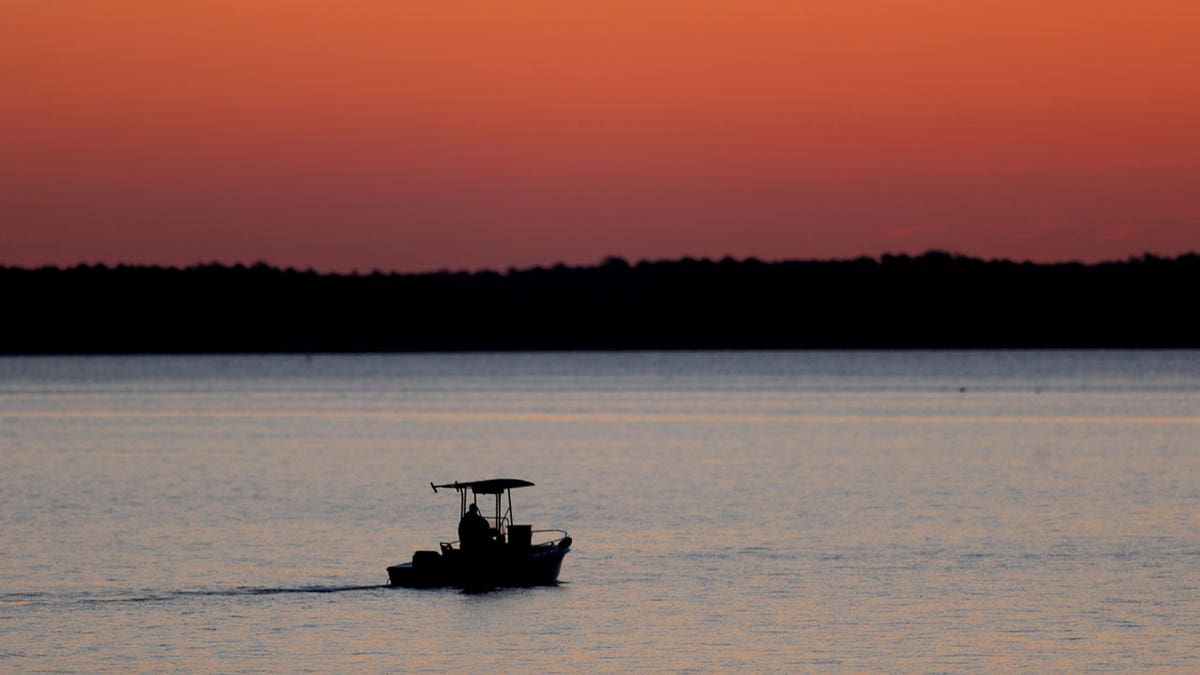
<point>731,511</point>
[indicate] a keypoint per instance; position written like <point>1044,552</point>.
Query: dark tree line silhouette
<point>936,300</point>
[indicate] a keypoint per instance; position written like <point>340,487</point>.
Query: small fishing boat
<point>491,551</point>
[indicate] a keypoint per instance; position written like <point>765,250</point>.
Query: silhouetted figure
<point>473,530</point>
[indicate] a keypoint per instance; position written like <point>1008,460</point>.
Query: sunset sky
<point>467,134</point>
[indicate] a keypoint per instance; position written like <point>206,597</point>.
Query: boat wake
<point>42,598</point>
<point>244,590</point>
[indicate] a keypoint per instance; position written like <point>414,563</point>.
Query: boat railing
<point>553,540</point>
<point>562,534</point>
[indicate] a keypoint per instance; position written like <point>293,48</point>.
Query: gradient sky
<point>464,134</point>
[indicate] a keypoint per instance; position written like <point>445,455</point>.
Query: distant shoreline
<point>933,301</point>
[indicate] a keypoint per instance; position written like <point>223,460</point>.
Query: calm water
<point>776,512</point>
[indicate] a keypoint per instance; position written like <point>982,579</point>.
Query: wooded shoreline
<point>935,301</point>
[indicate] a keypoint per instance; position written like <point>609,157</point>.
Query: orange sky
<point>384,134</point>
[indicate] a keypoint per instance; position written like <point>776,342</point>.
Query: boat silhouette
<point>492,551</point>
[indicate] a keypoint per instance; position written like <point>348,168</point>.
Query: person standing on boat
<point>473,529</point>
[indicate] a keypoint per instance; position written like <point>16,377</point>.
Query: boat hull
<point>534,566</point>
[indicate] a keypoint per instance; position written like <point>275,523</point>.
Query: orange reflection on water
<point>611,418</point>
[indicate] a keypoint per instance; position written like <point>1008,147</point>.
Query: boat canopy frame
<point>500,487</point>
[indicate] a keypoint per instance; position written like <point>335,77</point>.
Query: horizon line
<point>606,261</point>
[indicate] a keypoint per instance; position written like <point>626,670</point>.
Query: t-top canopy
<point>492,486</point>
